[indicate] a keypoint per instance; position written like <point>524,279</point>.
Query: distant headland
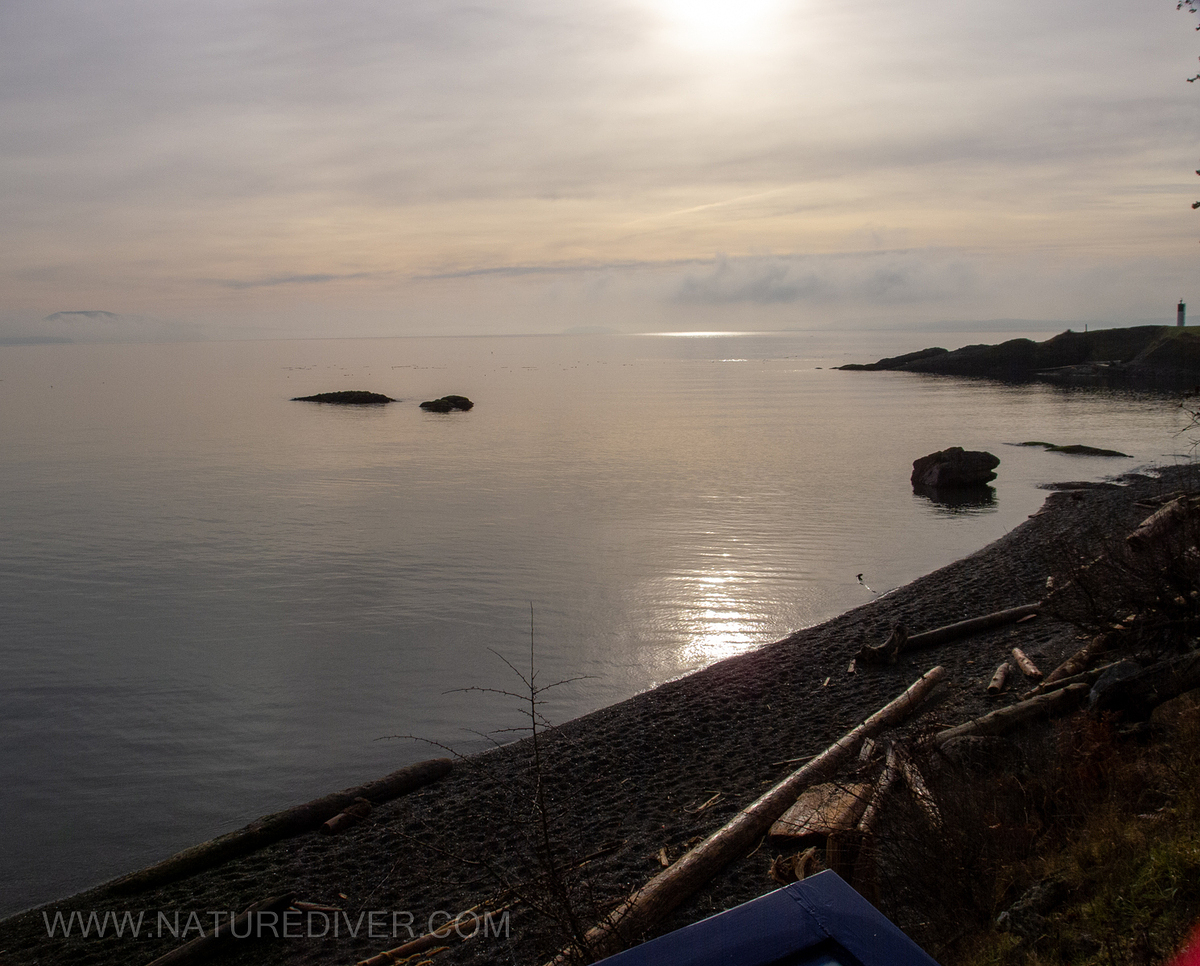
<point>1142,357</point>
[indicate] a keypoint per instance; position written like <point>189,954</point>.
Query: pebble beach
<point>604,801</point>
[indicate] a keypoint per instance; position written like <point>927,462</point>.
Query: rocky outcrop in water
<point>954,468</point>
<point>1077,449</point>
<point>347,397</point>
<point>447,404</point>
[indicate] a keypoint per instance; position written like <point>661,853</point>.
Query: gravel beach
<point>624,788</point>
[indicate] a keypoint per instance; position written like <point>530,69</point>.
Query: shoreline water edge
<point>606,800</point>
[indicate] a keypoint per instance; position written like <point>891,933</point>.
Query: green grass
<point>1126,848</point>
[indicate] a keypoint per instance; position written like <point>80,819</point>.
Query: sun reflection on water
<point>714,620</point>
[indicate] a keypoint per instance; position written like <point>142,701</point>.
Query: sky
<point>299,168</point>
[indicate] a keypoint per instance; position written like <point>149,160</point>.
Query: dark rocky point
<point>1140,357</point>
<point>954,467</point>
<point>447,404</point>
<point>347,397</point>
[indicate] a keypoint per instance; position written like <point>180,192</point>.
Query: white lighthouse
<point>1180,313</point>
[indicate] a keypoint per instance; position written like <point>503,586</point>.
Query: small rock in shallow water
<point>954,467</point>
<point>447,404</point>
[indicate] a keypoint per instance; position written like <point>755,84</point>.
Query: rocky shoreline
<point>624,789</point>
<point>1148,357</point>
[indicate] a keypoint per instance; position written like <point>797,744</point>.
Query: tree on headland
<point>1190,6</point>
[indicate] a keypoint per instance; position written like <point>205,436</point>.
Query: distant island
<point>1141,357</point>
<point>347,397</point>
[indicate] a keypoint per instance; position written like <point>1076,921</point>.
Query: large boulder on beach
<point>954,468</point>
<point>447,404</point>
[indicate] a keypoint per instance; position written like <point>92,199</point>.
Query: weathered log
<point>279,826</point>
<point>316,907</point>
<point>1077,662</point>
<point>1000,679</point>
<point>353,814</point>
<point>1005,719</point>
<point>672,886</point>
<point>900,640</point>
<point>823,809</point>
<point>855,856</point>
<point>243,927</point>
<point>1136,695</point>
<point>1154,502</point>
<point>1160,524</point>
<point>919,788</point>
<point>1028,668</point>
<point>887,652</point>
<point>891,772</point>
<point>1086,677</point>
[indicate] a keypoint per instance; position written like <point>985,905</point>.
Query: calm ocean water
<point>214,601</point>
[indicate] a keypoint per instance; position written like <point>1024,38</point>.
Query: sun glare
<point>719,25</point>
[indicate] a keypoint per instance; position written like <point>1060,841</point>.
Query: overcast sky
<point>247,168</point>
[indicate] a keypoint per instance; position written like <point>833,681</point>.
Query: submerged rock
<point>447,404</point>
<point>1077,449</point>
<point>954,467</point>
<point>347,397</point>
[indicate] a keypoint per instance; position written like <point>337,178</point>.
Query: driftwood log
<point>919,787</point>
<point>279,826</point>
<point>823,810</point>
<point>900,640</point>
<point>629,921</point>
<point>891,772</point>
<point>854,856</point>
<point>1161,524</point>
<point>1028,668</point>
<point>1077,662</point>
<point>1000,679</point>
<point>204,947</point>
<point>1005,719</point>
<point>1084,677</point>
<point>353,814</point>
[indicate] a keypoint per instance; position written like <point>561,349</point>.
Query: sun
<point>719,25</point>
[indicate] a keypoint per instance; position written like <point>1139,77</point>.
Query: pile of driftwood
<point>808,804</point>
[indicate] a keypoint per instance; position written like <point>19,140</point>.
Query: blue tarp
<point>820,921</point>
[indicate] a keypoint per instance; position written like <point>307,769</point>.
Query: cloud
<point>582,268</point>
<point>879,278</point>
<point>81,315</point>
<point>290,280</point>
<point>95,325</point>
<point>247,155</point>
